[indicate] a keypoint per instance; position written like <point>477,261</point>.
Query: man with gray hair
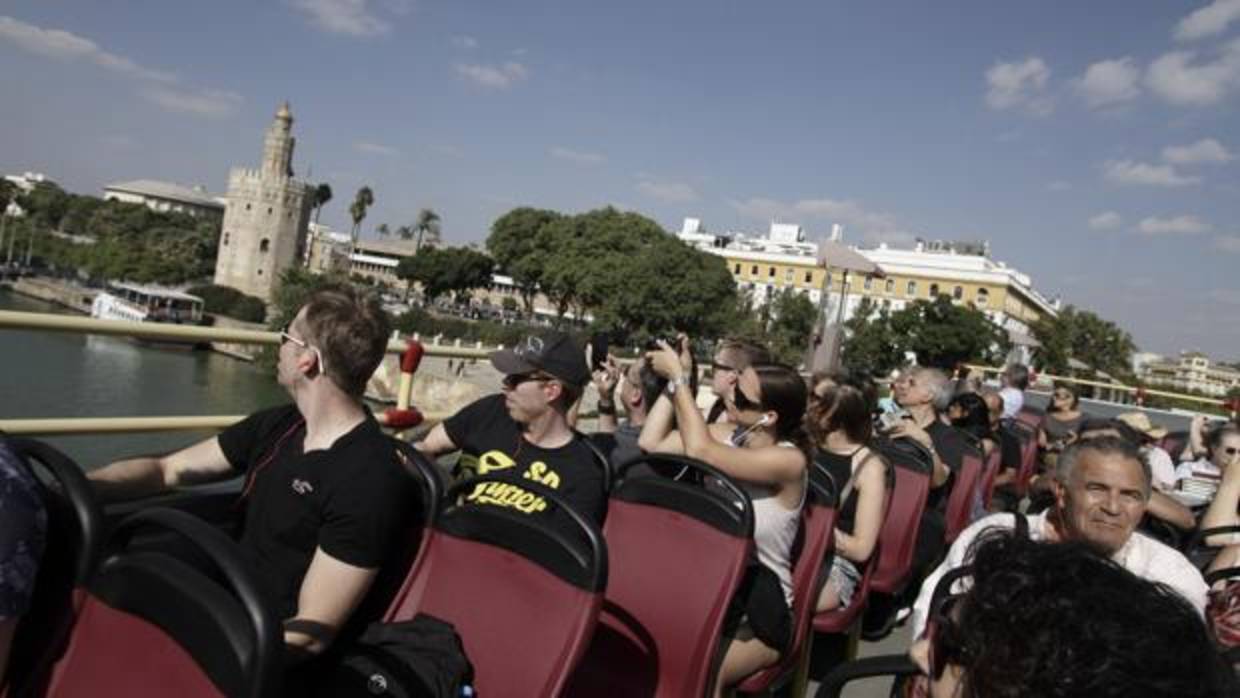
<point>1102,489</point>
<point>1015,383</point>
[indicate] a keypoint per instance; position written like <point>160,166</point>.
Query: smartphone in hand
<point>598,350</point>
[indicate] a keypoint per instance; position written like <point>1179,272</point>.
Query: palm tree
<point>383,230</point>
<point>357,210</point>
<point>322,194</point>
<point>405,232</point>
<point>428,224</point>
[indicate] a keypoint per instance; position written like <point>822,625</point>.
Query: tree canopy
<point>446,270</point>
<point>940,333</point>
<point>1082,335</point>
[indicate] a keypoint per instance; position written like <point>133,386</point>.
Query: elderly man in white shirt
<point>1102,487</point>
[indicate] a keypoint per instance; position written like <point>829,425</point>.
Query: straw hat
<point>1141,422</point>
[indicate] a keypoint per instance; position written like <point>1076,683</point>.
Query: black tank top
<point>839,465</point>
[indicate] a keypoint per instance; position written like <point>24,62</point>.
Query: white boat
<point>135,303</point>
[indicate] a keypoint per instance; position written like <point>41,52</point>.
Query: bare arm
<point>657,434</point>
<point>142,477</point>
<point>1163,507</point>
<point>871,490</point>
<point>330,592</point>
<point>437,442</point>
<point>1223,508</point>
<point>605,380</point>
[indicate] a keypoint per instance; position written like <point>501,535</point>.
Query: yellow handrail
<point>12,319</point>
<point>125,425</point>
<point>1111,386</point>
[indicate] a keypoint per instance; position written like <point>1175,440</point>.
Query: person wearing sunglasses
<point>1063,419</point>
<point>766,451</point>
<point>731,358</point>
<point>523,433</point>
<point>1222,451</point>
<point>1058,620</point>
<point>1101,492</point>
<point>324,495</point>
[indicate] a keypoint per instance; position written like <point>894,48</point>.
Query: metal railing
<point>13,320</point>
<point>1135,391</point>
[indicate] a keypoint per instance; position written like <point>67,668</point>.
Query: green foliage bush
<point>226,300</point>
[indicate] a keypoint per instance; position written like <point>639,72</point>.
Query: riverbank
<point>62,294</point>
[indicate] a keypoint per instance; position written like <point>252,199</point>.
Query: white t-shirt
<point>1141,555</point>
<point>1162,470</point>
<point>1013,400</point>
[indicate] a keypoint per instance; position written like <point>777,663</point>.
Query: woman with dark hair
<point>1058,620</point>
<point>840,421</point>
<point>765,449</point>
<point>969,413</point>
<point>1063,418</point>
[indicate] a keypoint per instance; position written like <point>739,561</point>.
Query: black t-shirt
<point>353,500</point>
<point>951,445</point>
<point>619,446</point>
<point>492,443</point>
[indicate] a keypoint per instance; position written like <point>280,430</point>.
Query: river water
<point>62,374</point>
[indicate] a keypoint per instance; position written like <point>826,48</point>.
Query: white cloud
<point>1128,172</point>
<point>1107,220</point>
<point>370,148</point>
<point>1206,150</point>
<point>1178,79</point>
<point>67,46</point>
<point>1210,20</point>
<point>465,42</point>
<point>496,76</point>
<point>1228,243</point>
<point>1111,82</point>
<point>580,157</point>
<point>667,191</point>
<point>1180,225</point>
<point>349,17</point>
<point>210,103</point>
<point>1019,86</point>
<point>1059,185</point>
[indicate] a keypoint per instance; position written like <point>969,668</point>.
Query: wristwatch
<point>672,383</point>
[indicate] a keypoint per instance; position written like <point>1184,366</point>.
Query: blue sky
<point>1094,144</point>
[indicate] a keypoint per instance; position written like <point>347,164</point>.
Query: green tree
<point>871,346</point>
<point>322,194</point>
<point>1082,335</point>
<point>364,199</point>
<point>427,224</point>
<point>792,319</point>
<point>446,270</point>
<point>383,230</point>
<point>405,232</point>
<point>518,249</point>
<point>228,301</point>
<point>940,333</point>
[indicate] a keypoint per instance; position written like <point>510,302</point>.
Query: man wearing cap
<point>523,434</point>
<point>1161,467</point>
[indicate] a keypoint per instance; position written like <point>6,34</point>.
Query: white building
<point>164,197</point>
<point>1194,372</point>
<point>27,181</point>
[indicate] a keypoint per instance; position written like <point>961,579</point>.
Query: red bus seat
<point>816,537</point>
<point>152,625</point>
<point>431,490</point>
<point>1031,417</point>
<point>522,594</point>
<point>1028,437</point>
<point>74,537</point>
<point>964,491</point>
<point>677,552</point>
<point>910,487</point>
<point>994,463</point>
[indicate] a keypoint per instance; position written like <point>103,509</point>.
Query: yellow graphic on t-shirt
<point>509,495</point>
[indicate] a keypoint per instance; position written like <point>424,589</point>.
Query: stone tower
<point>266,216</point>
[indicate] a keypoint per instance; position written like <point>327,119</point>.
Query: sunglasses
<point>1230,450</point>
<point>718,367</point>
<point>512,380</point>
<point>743,401</point>
<point>286,337</point>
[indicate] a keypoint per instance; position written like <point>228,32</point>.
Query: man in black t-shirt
<point>523,435</point>
<point>327,505</point>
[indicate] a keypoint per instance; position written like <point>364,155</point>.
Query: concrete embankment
<point>66,295</point>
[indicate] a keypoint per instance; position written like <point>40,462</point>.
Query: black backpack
<point>419,658</point>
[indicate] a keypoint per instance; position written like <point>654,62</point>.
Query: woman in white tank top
<point>764,449</point>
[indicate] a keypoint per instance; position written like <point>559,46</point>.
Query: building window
<point>983,297</point>
<point>268,210</point>
<point>788,275</point>
<point>262,246</point>
<point>738,268</point>
<point>771,272</point>
<point>891,286</point>
<point>869,282</point>
<point>911,290</point>
<point>754,270</point>
<point>225,239</point>
<point>260,272</point>
<point>247,207</point>
<point>809,277</point>
<point>958,293</point>
<point>934,290</point>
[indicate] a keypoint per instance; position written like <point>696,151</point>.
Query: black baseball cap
<point>554,353</point>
